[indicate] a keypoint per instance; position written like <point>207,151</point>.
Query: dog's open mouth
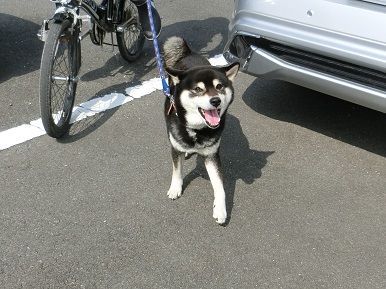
<point>211,116</point>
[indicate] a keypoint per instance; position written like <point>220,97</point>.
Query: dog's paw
<point>174,192</point>
<point>219,213</point>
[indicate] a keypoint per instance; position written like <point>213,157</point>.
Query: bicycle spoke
<point>131,37</point>
<point>60,82</point>
<point>62,78</point>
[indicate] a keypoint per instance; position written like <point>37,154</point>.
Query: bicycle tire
<point>131,40</point>
<point>58,78</point>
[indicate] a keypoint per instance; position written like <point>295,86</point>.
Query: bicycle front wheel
<point>58,78</point>
<point>131,39</point>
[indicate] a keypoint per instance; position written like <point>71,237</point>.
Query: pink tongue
<point>212,117</point>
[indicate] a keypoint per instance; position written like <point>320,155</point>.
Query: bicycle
<point>61,58</point>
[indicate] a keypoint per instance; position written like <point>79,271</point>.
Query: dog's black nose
<point>215,101</point>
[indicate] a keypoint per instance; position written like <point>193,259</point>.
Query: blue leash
<point>165,86</point>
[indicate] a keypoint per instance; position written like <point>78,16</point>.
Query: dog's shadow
<point>239,162</point>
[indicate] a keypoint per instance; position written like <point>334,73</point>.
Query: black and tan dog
<point>202,94</point>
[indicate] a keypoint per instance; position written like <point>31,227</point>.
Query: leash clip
<point>171,105</point>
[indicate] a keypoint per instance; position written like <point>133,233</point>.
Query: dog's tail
<point>174,49</point>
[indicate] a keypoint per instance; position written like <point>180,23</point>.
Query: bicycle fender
<point>60,17</point>
<point>63,13</point>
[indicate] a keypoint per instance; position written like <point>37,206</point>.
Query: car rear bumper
<point>349,67</point>
<point>263,64</point>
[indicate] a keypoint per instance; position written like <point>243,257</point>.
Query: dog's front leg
<point>175,189</point>
<point>213,166</point>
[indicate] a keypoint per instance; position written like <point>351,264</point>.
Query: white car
<point>336,47</point>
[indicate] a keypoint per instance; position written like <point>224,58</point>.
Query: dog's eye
<point>219,86</point>
<point>198,89</point>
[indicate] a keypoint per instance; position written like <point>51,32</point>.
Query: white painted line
<point>25,132</point>
<point>98,105</point>
<point>145,88</point>
<point>218,60</point>
<point>18,135</point>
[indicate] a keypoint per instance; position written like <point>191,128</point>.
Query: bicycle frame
<point>69,9</point>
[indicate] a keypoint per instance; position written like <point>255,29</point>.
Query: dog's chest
<point>192,134</point>
<point>194,142</point>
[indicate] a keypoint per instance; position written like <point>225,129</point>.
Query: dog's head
<point>204,93</point>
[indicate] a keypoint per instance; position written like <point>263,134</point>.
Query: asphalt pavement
<point>304,177</point>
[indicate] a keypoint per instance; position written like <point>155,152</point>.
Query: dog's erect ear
<point>231,70</point>
<point>175,75</point>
